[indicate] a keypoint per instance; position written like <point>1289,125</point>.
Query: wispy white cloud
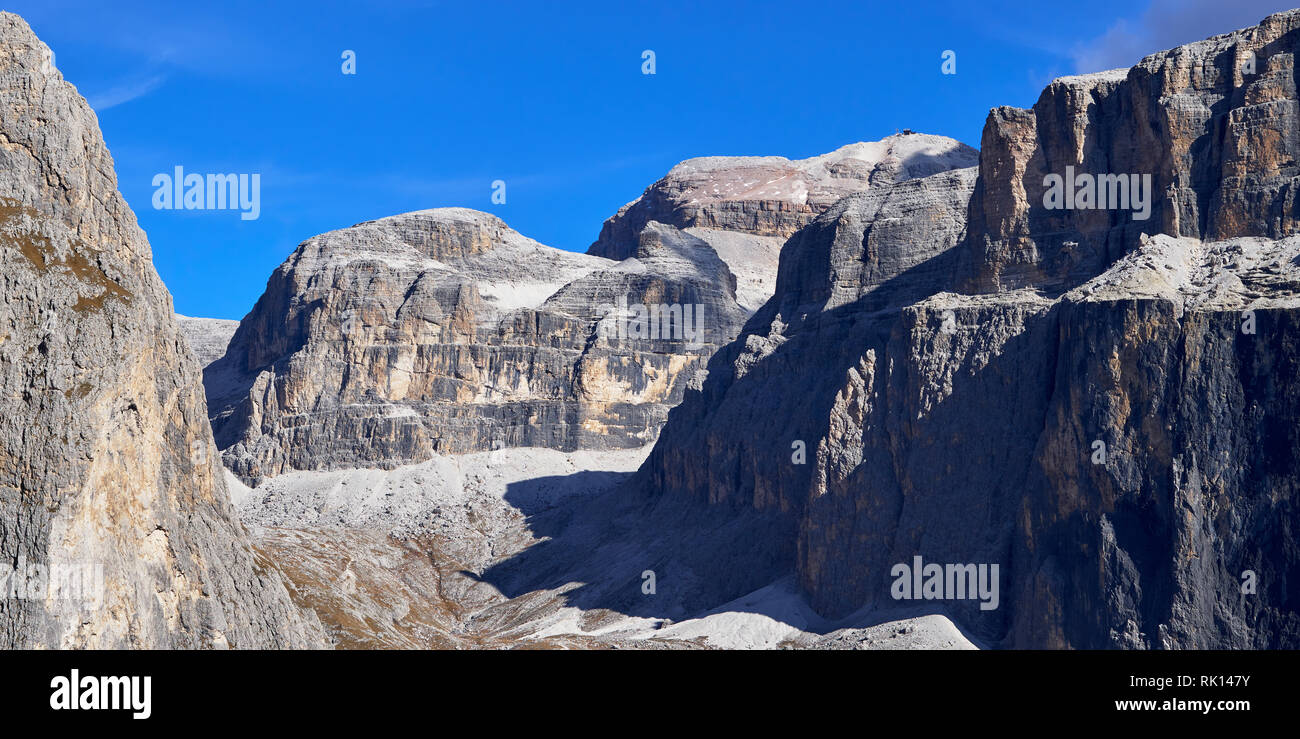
<point>1166,24</point>
<point>437,189</point>
<point>124,93</point>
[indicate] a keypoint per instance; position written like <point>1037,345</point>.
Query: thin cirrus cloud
<point>1166,24</point>
<point>125,93</point>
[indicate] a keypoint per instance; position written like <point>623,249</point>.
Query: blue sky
<point>548,97</point>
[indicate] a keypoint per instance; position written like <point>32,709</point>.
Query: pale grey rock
<point>752,259</point>
<point>207,337</point>
<point>425,556</point>
<point>444,331</point>
<point>921,632</point>
<point>106,463</point>
<point>774,196</point>
<point>746,207</point>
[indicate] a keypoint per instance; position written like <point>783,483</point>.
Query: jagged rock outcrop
<point>1104,407</point>
<point>115,527</point>
<point>1213,124</point>
<point>445,331</point>
<point>746,207</point>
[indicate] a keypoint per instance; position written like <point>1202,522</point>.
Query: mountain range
<point>766,386</point>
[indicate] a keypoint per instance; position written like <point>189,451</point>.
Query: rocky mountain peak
<point>817,180</point>
<point>897,352</point>
<point>771,195</point>
<point>746,207</point>
<point>438,234</point>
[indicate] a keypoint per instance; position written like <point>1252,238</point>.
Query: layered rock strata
<point>444,331</point>
<point>746,207</point>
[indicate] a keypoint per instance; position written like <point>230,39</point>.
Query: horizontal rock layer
<point>444,331</point>
<point>207,337</point>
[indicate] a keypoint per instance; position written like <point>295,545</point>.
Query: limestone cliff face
<point>445,331</point>
<point>746,207</point>
<point>113,506</point>
<point>979,442</point>
<point>1213,124</point>
<point>836,276</point>
<point>1103,407</point>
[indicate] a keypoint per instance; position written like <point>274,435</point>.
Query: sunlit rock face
<point>444,331</point>
<point>746,207</point>
<point>115,525</point>
<point>1212,124</point>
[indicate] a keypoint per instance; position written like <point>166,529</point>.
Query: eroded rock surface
<point>1213,124</point>
<point>1105,408</point>
<point>444,331</point>
<point>113,504</point>
<point>746,207</point>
